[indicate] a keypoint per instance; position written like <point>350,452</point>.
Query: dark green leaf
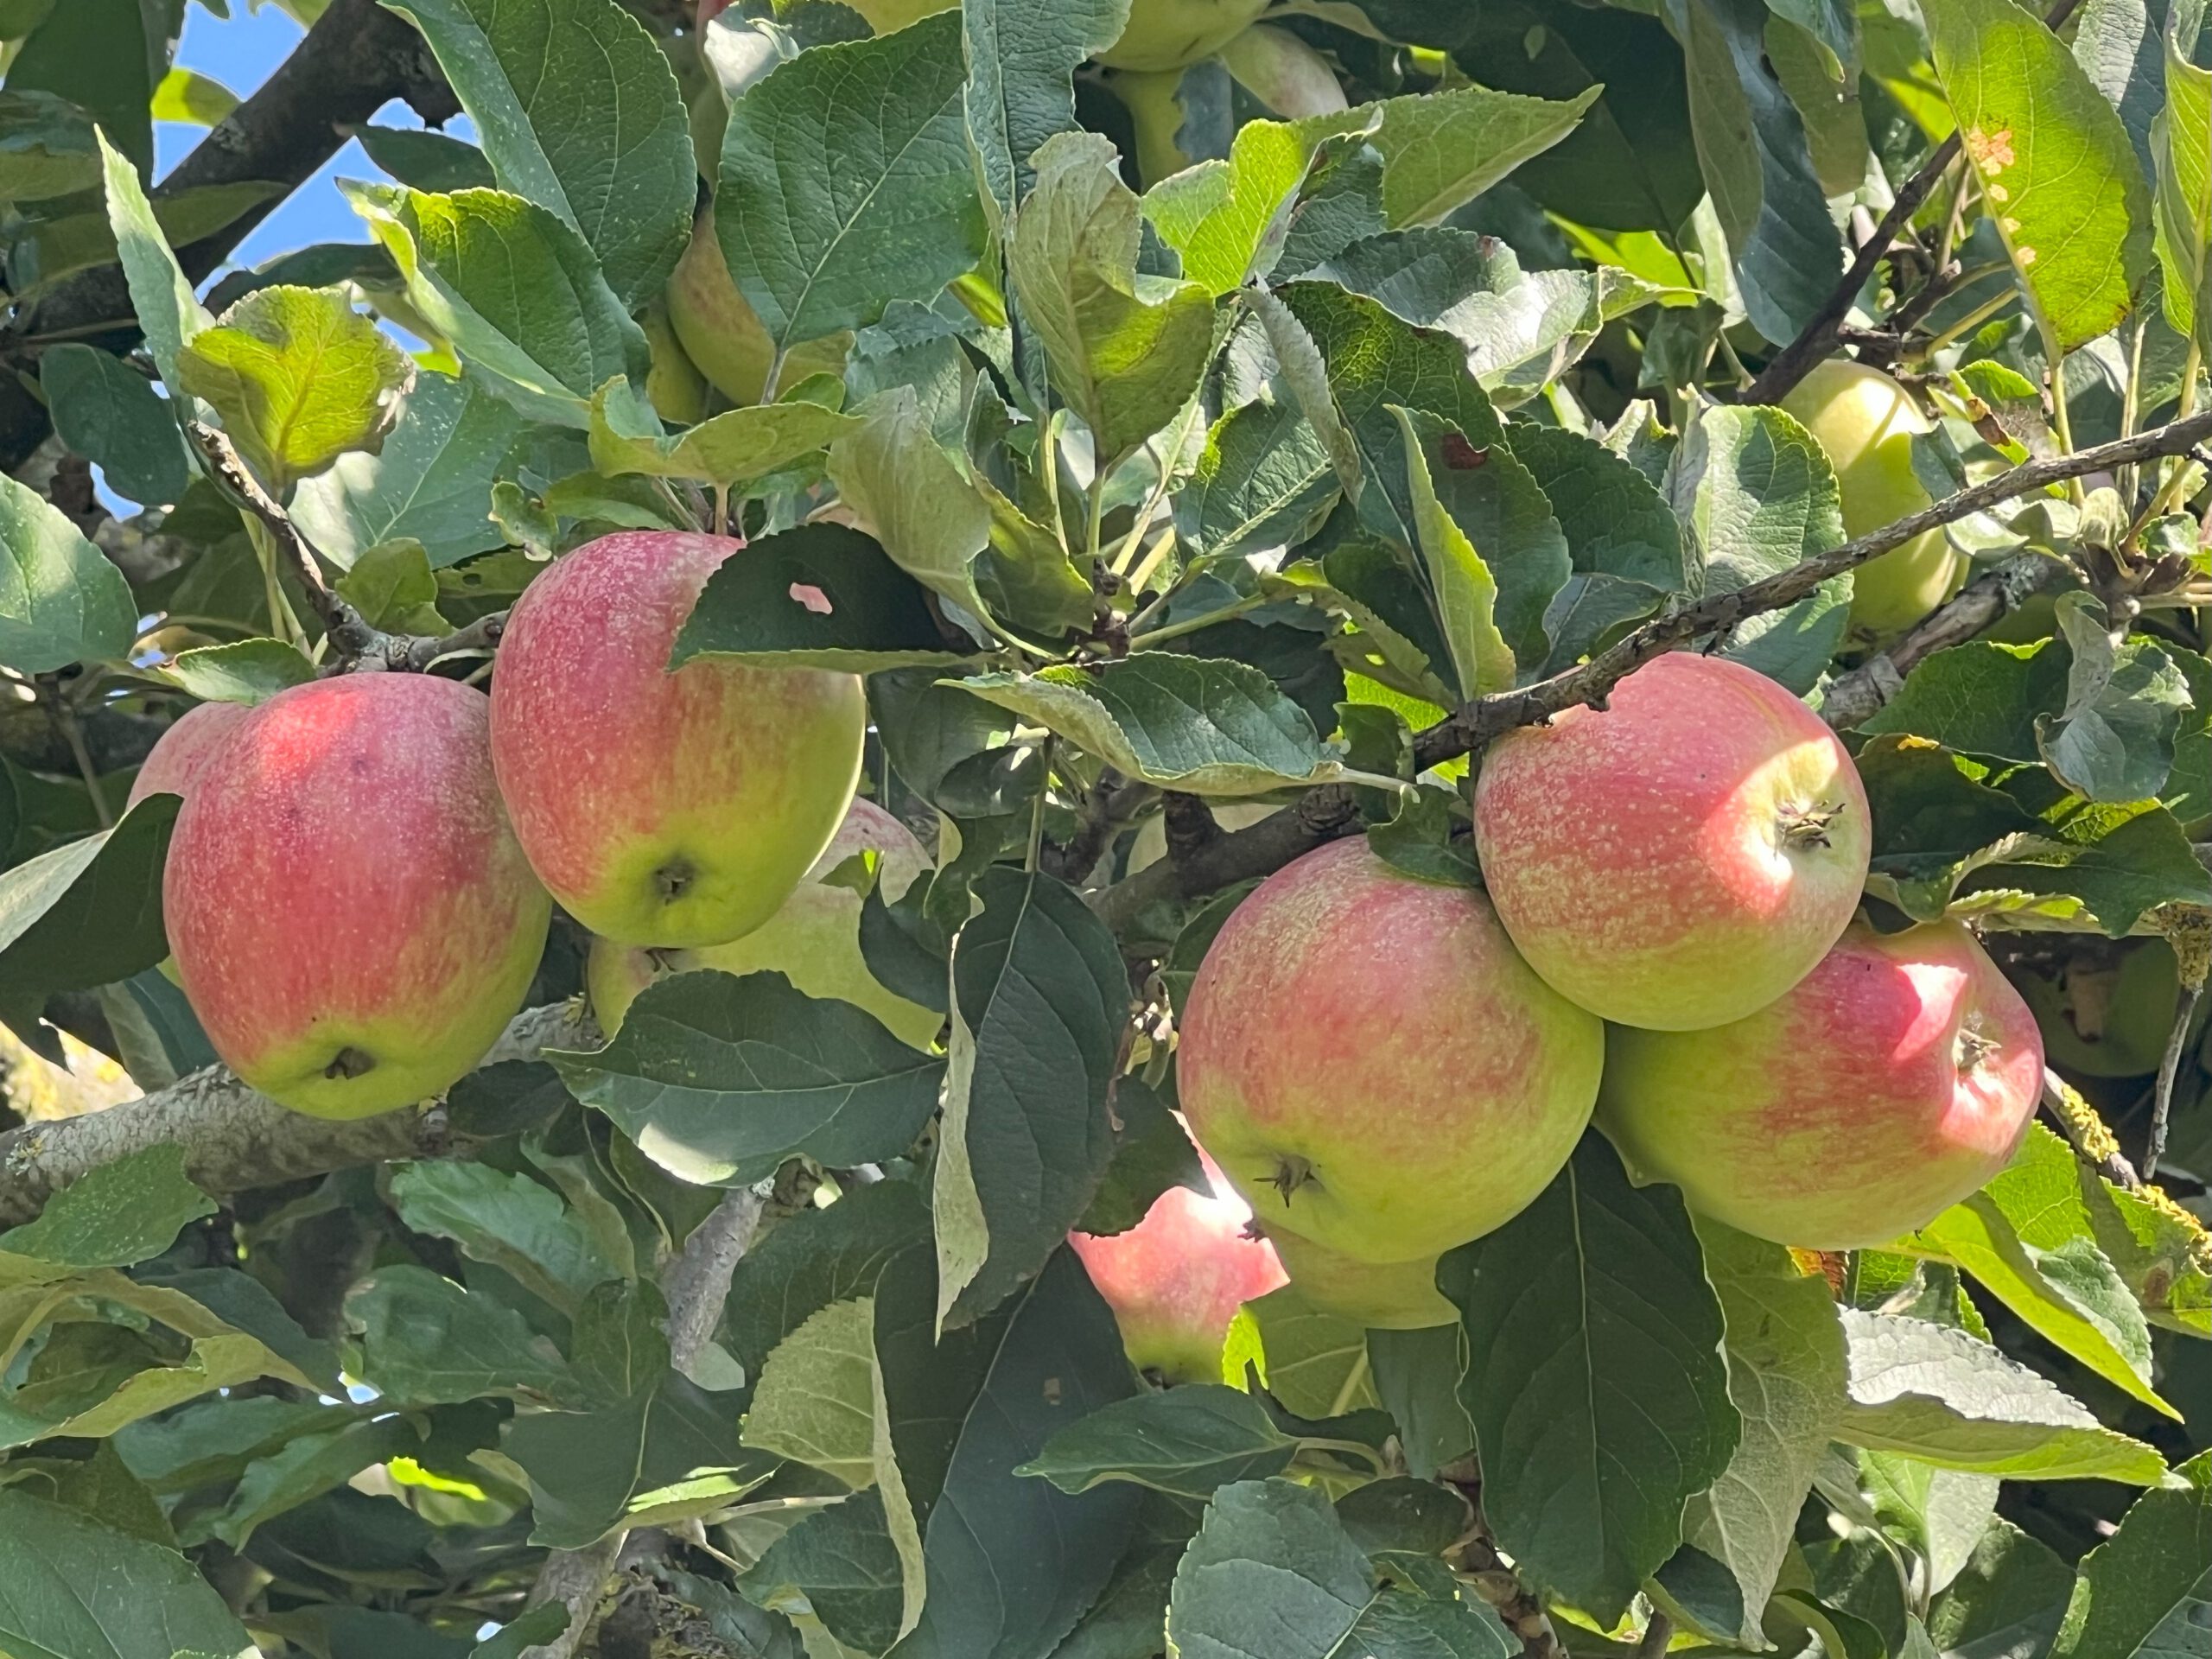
<point>1264,481</point>
<point>579,111</point>
<point>426,1341</point>
<point>246,671</point>
<point>61,602</point>
<point>115,1214</point>
<point>842,1560</point>
<point>113,417</point>
<point>1021,57</point>
<point>846,183</point>
<point>1185,1441</point>
<point>1152,1154</point>
<point>1595,1345</point>
<point>719,1079</point>
<point>71,1586</point>
<point>427,161</point>
<point>87,913</point>
<point>506,1220</point>
<point>820,595</point>
<point>2147,1590</point>
<point>1039,995</point>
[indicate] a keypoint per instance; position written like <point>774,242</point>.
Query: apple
<point>1373,1064</point>
<point>1894,1080</point>
<point>2104,1019</point>
<point>1283,73</point>
<point>1154,102</point>
<point>661,808</point>
<point>723,336</point>
<point>186,750</point>
<point>1177,1278</point>
<point>352,920</point>
<point>889,16</point>
<point>676,389</point>
<point>1376,1296</point>
<point>1866,422</point>
<point>1169,34</point>
<point>813,941</point>
<point>1682,857</point>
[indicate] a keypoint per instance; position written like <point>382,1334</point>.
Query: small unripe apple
<point>723,336</point>
<point>662,808</point>
<point>1867,421</point>
<point>1373,1064</point>
<point>1376,1296</point>
<point>1177,1278</point>
<point>1169,34</point>
<point>674,385</point>
<point>813,941</point>
<point>2108,1020</point>
<point>1894,1080</point>
<point>1680,857</point>
<point>185,750</point>
<point>352,920</point>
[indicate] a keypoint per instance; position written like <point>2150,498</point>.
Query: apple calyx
<point>674,879</point>
<point>349,1063</point>
<point>1291,1172</point>
<point>1973,1047</point>
<point>1805,828</point>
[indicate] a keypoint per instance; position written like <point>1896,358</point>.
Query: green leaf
<point>2008,1600</point>
<point>668,1453</point>
<point>1316,1363</point>
<point>246,670</point>
<point>105,56</point>
<point>513,290</point>
<point>1441,149</point>
<point>47,148</point>
<point>1273,1572</point>
<point>1755,495</point>
<point>539,1625</point>
<point>1264,481</point>
<point>220,1302</point>
<point>1938,1395</point>
<point>427,160</point>
<point>167,310</point>
<point>1203,724</point>
<point>1375,360</point>
<point>115,1214</point>
<point>818,1257</point>
<point>430,482</point>
<point>819,595</point>
<point>303,1470</point>
<point>1622,540</point>
<point>1039,996</point>
<point>1596,1349</point>
<point>425,1341</point>
<point>846,184</point>
<point>2055,163</point>
<point>840,1563</point>
<point>2068,1292</point>
<point>1184,1441</point>
<point>506,1220</point>
<point>579,111</point>
<point>87,913</point>
<point>1021,57</point>
<point>1522,329</point>
<point>1494,503</point>
<point>1751,144</point>
<point>188,96</point>
<point>818,1397</point>
<point>737,445</point>
<point>1417,1375</point>
<point>1126,350</point>
<point>1938,1513</point>
<point>113,417</point>
<point>1785,1355</point>
<point>719,1079</point>
<point>1152,1154</point>
<point>2113,740</point>
<point>1226,219</point>
<point>2181,145</point>
<point>965,1412</point>
<point>69,1587</point>
<point>393,586</point>
<point>906,490</point>
<point>61,602</point>
<point>2147,1589</point>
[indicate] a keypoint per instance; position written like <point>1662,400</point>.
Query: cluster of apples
<point>1668,937</point>
<point>362,873</point>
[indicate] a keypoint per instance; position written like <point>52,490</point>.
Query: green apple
<point>662,807</point>
<point>2109,1020</point>
<point>352,920</point>
<point>1866,422</point>
<point>1893,1081</point>
<point>1283,73</point>
<point>1373,1067</point>
<point>1169,34</point>
<point>676,389</point>
<point>813,941</point>
<point>1378,1296</point>
<point>1680,857</point>
<point>723,335</point>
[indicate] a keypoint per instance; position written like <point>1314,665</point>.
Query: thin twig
<point>1854,698</point>
<point>1473,724</point>
<point>348,633</point>
<point>2169,1068</point>
<point>414,653</point>
<point>2093,1141</point>
<point>1818,338</point>
<point>72,734</point>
